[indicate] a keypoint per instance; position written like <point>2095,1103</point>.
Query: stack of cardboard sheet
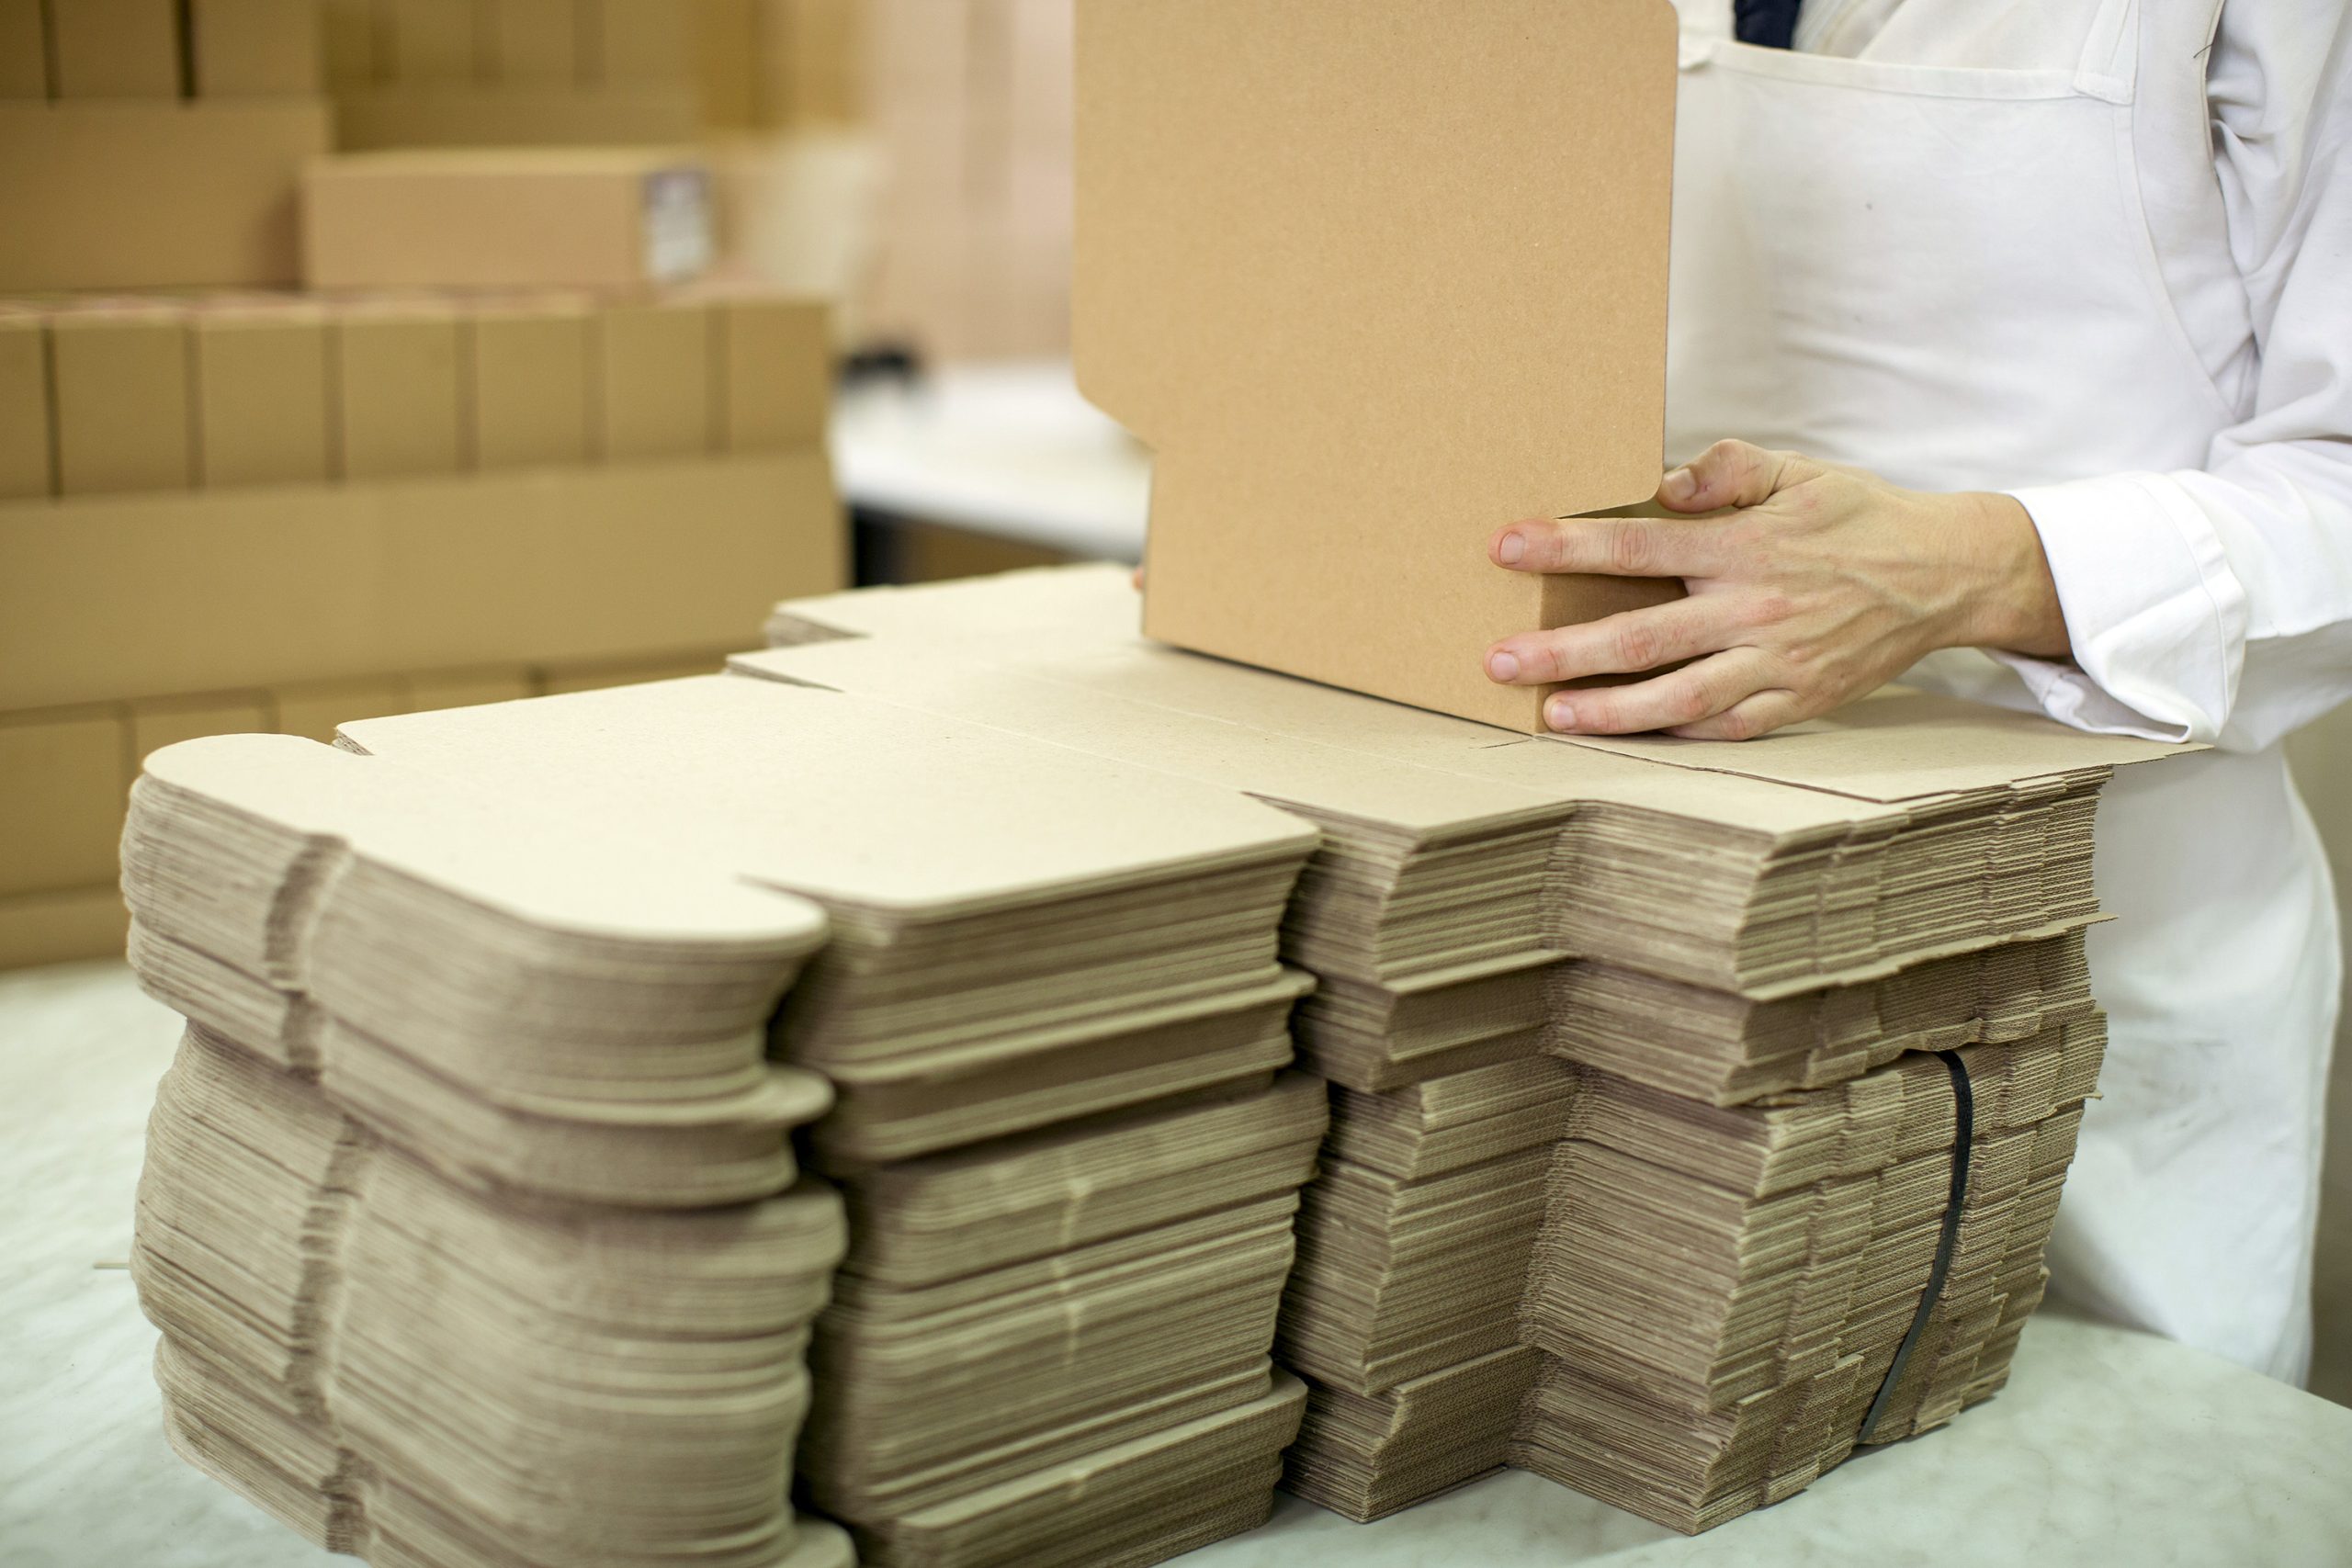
<point>1722,1292</point>
<point>1052,1001</point>
<point>1728,1048</point>
<point>469,1218</point>
<point>1040,1346</point>
<point>1413,1252</point>
<point>1421,911</point>
<point>1917,879</point>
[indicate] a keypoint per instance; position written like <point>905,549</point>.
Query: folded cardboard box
<point>509,218</point>
<point>1362,328</point>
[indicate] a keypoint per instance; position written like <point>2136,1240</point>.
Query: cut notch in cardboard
<point>1375,277</point>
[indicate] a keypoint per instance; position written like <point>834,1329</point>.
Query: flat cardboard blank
<point>1375,277</point>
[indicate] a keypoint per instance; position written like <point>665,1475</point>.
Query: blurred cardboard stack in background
<point>971,106</point>
<point>227,506</point>
<point>1054,1017</point>
<point>512,72</point>
<point>914,157</point>
<point>148,144</point>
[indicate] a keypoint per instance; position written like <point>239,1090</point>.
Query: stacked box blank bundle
<point>1052,997</point>
<point>1702,944</point>
<point>1051,1345</point>
<point>1635,1168</point>
<point>425,1215</point>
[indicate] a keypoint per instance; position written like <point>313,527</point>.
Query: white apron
<point>1945,276</point>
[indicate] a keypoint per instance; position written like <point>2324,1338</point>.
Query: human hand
<point>1823,584</point>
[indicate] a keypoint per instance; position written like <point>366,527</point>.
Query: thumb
<point>1729,473</point>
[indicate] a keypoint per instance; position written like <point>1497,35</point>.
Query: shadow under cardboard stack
<point>1675,1062</point>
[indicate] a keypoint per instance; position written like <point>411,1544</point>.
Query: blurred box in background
<point>972,107</point>
<point>146,144</point>
<point>506,217</point>
<point>280,512</point>
<point>911,156</point>
<point>512,72</point>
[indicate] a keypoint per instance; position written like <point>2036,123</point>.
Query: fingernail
<point>1512,550</point>
<point>1560,714</point>
<point>1679,485</point>
<point>1501,666</point>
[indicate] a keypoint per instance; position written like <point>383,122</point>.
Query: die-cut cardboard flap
<point>1375,277</point>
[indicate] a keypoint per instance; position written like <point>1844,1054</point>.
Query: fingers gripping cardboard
<point>1373,281</point>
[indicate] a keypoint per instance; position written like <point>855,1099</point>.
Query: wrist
<point>2014,606</point>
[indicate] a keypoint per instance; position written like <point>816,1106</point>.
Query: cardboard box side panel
<point>425,41</point>
<point>25,428</point>
<point>654,381</point>
<point>347,42</point>
<point>114,49</point>
<point>775,373</point>
<point>255,48</point>
<point>498,223</point>
<point>24,52</point>
<point>1353,629</point>
<point>63,782</point>
<point>122,387</point>
<point>398,395</point>
<point>642,41</point>
<point>1363,330</point>
<point>731,52</point>
<point>530,388</point>
<point>216,185</point>
<point>828,46</point>
<point>534,43</point>
<point>154,595</point>
<point>61,928</point>
<point>261,401</point>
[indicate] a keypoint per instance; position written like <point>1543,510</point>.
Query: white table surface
<point>1009,450</point>
<point>2107,1447</point>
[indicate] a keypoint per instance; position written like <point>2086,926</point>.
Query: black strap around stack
<point>1964,1110</point>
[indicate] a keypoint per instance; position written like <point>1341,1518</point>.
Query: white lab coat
<point>2063,249</point>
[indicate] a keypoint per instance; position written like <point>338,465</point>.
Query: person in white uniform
<point>2032,320</point>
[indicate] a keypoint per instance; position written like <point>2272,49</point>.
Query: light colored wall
<point>2322,764</point>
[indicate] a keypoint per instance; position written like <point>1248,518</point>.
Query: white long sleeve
<point>2215,603</point>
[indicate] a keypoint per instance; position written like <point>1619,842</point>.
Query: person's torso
<point>1988,251</point>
